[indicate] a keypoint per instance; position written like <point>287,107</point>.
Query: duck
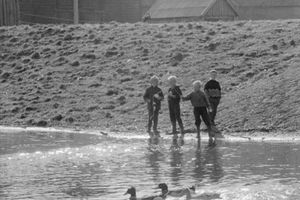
<point>176,193</point>
<point>132,192</point>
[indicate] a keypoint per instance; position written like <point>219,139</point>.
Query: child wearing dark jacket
<point>174,96</point>
<point>200,104</point>
<point>153,96</point>
<point>213,91</point>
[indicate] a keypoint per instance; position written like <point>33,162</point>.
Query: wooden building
<point>266,9</point>
<point>188,10</point>
<point>83,11</point>
<point>9,12</point>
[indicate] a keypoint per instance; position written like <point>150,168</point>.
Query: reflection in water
<point>176,161</point>
<point>154,156</point>
<point>53,166</point>
<point>199,170</point>
<point>213,162</point>
<point>208,163</point>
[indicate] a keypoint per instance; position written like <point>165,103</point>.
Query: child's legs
<point>150,118</point>
<point>155,119</point>
<point>206,120</point>
<point>197,117</point>
<point>172,116</point>
<point>214,102</point>
<point>177,116</point>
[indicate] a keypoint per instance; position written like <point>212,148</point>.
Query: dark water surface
<point>74,166</point>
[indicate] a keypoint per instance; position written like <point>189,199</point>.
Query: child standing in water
<point>153,96</point>
<point>200,104</point>
<point>174,95</point>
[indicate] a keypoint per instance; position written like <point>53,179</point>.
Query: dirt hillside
<point>95,75</point>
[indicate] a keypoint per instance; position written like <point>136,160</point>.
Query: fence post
<point>76,11</point>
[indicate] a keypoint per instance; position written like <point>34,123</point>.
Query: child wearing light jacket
<point>201,106</point>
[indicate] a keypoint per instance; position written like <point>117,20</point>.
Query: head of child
<point>213,74</point>
<point>197,86</point>
<point>172,81</point>
<point>154,81</point>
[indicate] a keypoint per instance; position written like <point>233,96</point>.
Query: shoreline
<point>228,137</point>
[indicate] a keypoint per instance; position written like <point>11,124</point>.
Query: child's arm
<point>147,96</point>
<point>159,96</point>
<point>207,103</point>
<point>188,97</point>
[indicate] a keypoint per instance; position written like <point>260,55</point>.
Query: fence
<point>9,12</point>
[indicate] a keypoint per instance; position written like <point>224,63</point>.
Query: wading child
<point>153,96</point>
<point>174,96</point>
<point>200,104</point>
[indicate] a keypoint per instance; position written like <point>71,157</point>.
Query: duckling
<point>176,193</point>
<point>132,192</point>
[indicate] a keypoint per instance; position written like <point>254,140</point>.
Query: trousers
<point>174,111</point>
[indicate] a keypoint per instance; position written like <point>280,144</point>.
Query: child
<point>174,95</point>
<point>153,96</point>
<point>200,104</point>
<point>213,90</point>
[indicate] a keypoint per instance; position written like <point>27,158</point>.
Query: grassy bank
<point>95,75</point>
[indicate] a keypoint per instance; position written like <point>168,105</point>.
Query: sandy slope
<point>95,75</point>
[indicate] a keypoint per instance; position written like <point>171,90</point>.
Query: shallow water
<point>74,166</point>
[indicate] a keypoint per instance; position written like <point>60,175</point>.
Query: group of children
<point>204,104</point>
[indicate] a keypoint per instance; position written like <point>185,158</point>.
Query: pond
<point>37,165</point>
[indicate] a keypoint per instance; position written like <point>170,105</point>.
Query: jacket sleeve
<point>161,94</point>
<point>146,95</point>
<point>207,101</point>
<point>188,97</point>
<point>178,91</point>
<point>219,86</point>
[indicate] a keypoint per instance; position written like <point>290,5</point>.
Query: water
<point>74,166</point>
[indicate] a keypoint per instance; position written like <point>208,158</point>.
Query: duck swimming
<point>176,193</point>
<point>132,192</point>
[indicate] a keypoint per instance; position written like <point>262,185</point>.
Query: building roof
<point>266,3</point>
<point>179,8</point>
<point>244,9</point>
<point>266,9</point>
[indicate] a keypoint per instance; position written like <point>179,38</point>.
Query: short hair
<point>213,71</point>
<point>197,83</point>
<point>172,78</point>
<point>154,78</point>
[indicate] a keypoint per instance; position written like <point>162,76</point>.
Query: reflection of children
<point>174,95</point>
<point>153,96</point>
<point>200,104</point>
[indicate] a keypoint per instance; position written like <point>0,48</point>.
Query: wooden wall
<point>90,11</point>
<point>220,10</point>
<point>98,11</point>
<point>46,11</point>
<point>9,12</point>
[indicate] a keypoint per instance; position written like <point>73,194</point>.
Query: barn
<point>189,10</point>
<point>9,12</point>
<point>211,10</point>
<point>83,11</point>
<point>266,9</point>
